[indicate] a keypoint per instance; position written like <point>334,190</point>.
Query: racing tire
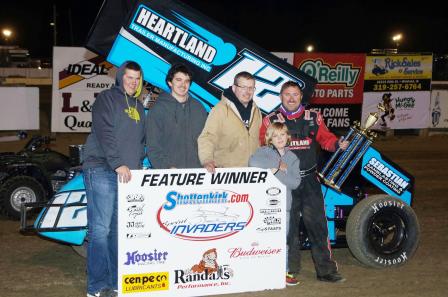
<point>81,250</point>
<point>18,190</point>
<point>382,231</point>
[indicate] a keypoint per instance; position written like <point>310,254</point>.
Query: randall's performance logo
<point>386,175</point>
<point>204,272</point>
<point>183,37</point>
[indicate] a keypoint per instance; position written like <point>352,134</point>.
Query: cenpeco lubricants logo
<point>145,282</point>
<point>205,215</point>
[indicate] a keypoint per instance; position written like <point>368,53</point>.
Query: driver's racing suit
<point>307,129</point>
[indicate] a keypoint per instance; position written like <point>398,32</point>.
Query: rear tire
<point>382,231</point>
<point>18,190</point>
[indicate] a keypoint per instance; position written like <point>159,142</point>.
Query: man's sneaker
<point>331,278</point>
<point>291,280</point>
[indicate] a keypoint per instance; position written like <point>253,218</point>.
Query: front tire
<point>382,231</point>
<point>18,190</point>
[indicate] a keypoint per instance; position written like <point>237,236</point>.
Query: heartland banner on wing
<point>159,33</point>
<point>79,75</point>
<point>186,232</point>
<point>340,82</point>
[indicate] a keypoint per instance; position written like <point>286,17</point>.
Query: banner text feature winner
<point>78,77</point>
<point>186,232</point>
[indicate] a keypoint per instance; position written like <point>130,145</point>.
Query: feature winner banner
<point>340,82</point>
<point>78,77</point>
<point>402,83</point>
<point>159,33</point>
<point>186,232</point>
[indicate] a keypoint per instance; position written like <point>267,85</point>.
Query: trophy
<point>341,163</point>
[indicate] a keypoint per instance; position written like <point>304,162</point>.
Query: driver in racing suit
<point>307,130</point>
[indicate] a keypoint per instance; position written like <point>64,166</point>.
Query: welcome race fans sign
<point>339,90</point>
<point>186,232</point>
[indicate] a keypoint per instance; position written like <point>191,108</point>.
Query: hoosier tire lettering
<point>382,231</point>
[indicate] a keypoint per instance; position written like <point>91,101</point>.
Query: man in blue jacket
<point>113,148</point>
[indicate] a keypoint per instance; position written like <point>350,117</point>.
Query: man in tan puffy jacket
<point>230,135</point>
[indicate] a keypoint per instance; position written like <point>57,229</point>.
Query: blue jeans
<point>102,252</point>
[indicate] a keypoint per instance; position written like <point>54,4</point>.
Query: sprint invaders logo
<point>207,216</point>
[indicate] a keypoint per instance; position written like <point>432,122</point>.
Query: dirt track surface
<point>32,266</point>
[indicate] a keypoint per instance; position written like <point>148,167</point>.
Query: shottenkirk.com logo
<point>203,216</point>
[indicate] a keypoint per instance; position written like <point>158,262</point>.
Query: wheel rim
<point>22,195</point>
<point>387,232</point>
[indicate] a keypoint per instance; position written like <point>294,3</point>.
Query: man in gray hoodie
<point>174,124</point>
<point>114,147</point>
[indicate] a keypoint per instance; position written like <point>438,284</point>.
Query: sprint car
<point>371,213</point>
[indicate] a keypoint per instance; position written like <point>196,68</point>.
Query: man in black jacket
<point>174,124</point>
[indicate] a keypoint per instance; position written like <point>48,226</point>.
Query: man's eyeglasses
<point>245,88</point>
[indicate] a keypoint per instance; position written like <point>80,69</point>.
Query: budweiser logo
<point>253,251</point>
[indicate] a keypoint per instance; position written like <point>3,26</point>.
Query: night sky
<point>276,25</point>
